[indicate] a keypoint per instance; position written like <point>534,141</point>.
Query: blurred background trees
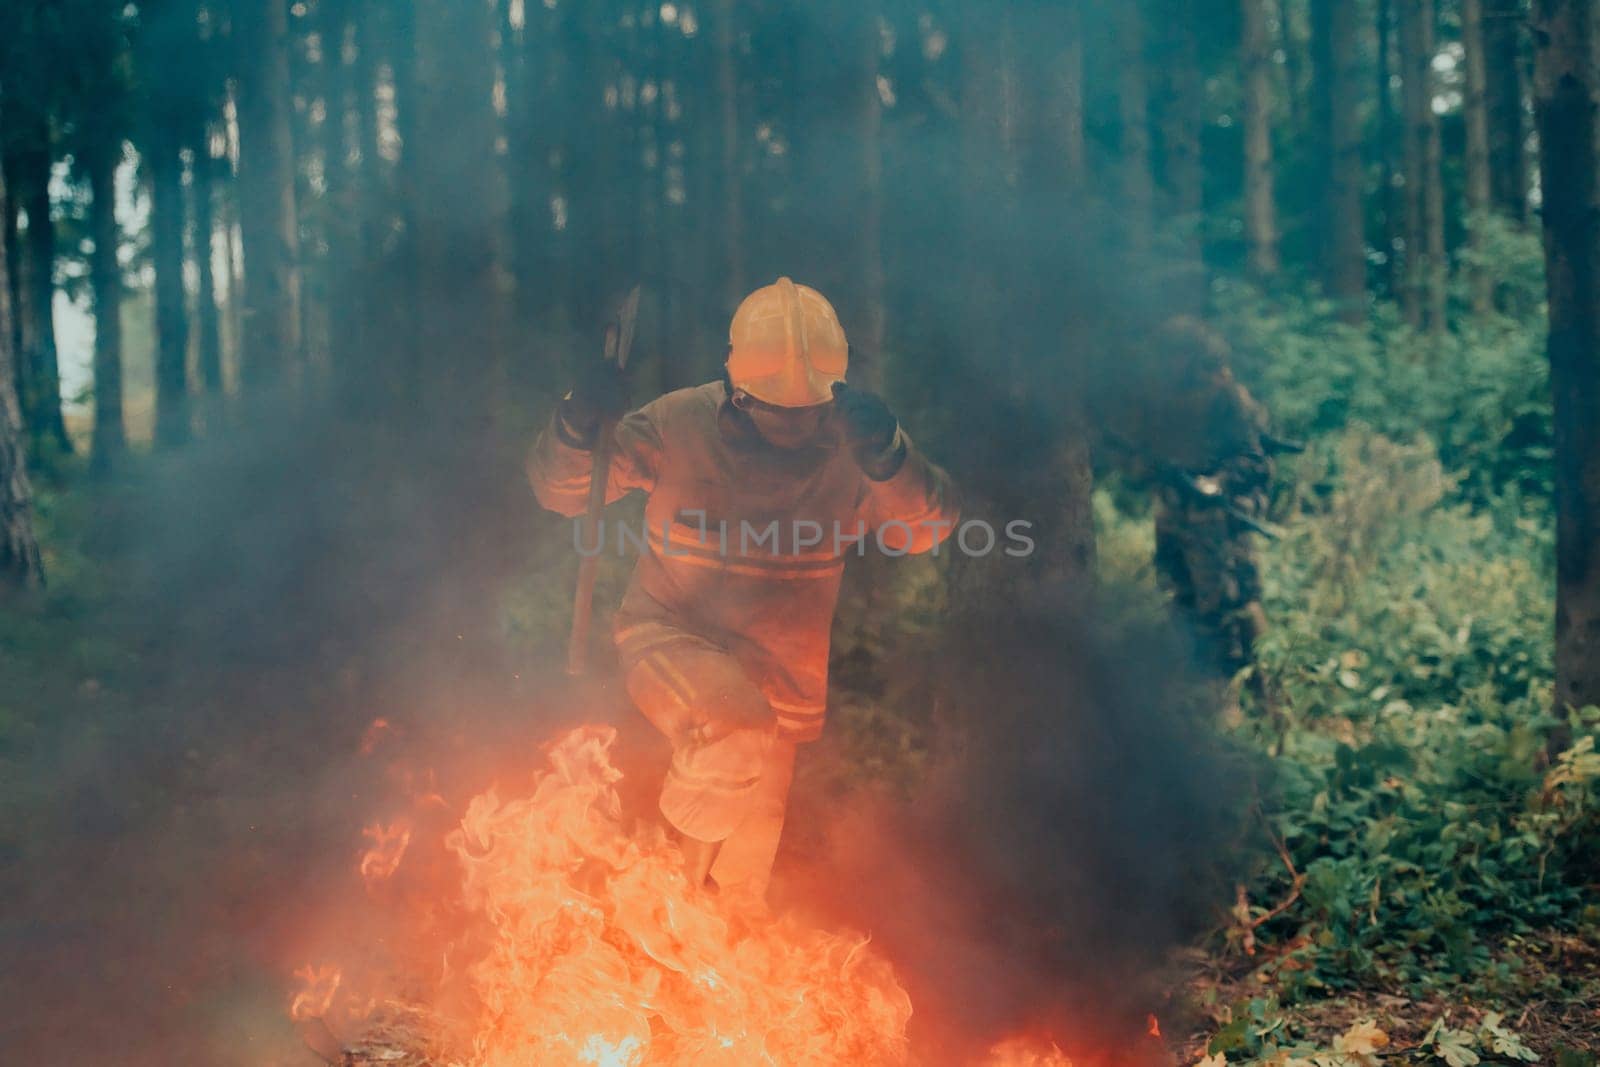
<point>421,211</point>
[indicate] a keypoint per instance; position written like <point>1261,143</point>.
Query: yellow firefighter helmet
<point>786,346</point>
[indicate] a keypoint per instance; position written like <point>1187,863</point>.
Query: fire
<point>588,946</point>
<point>319,985</point>
<point>1027,1052</point>
<point>388,848</point>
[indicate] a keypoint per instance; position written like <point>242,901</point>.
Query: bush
<point>1410,643</point>
<point>1480,393</point>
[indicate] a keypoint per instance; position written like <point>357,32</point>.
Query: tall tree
<point>1060,168</point>
<point>1261,210</point>
<point>1476,161</point>
<point>13,243</point>
<point>869,136</point>
<point>203,192</point>
<point>206,144</point>
<point>731,191</point>
<point>41,373</point>
<point>1337,109</point>
<point>1135,183</point>
<point>530,98</point>
<point>166,30</point>
<point>1505,90</point>
<point>1567,100</point>
<point>105,276</point>
<point>269,228</point>
<point>172,316</point>
<point>455,232</point>
<point>20,564</point>
<point>340,215</point>
<point>1424,290</point>
<point>1389,199</point>
<point>1181,119</point>
<point>1024,402</point>
<point>101,122</point>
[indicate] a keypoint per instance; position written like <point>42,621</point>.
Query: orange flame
<point>590,947</point>
<point>318,988</point>
<point>389,843</point>
<point>603,954</point>
<point>373,735</point>
<point>1027,1052</point>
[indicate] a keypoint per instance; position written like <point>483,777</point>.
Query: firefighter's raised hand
<point>600,393</point>
<point>869,428</point>
<point>866,420</point>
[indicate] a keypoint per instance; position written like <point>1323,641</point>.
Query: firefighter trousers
<point>732,788</point>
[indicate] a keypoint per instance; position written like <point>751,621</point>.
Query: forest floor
<point>1566,1019</point>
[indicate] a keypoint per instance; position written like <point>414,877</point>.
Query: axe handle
<point>589,564</point>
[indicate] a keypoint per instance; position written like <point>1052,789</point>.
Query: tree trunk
<point>1069,101</point>
<point>1567,99</point>
<point>528,120</point>
<point>869,132</point>
<point>209,319</point>
<point>1133,108</point>
<point>341,262</point>
<point>1071,560</point>
<point>1261,211</point>
<point>1389,194</point>
<point>172,319</point>
<point>1344,246</point>
<point>1508,126</point>
<point>406,322</point>
<point>1025,401</point>
<point>1182,117</point>
<point>105,276</point>
<point>1476,162</point>
<point>268,224</point>
<point>20,565</point>
<point>41,372</point>
<point>234,250</point>
<point>1425,258</point>
<point>456,216</point>
<point>732,170</point>
<point>1294,63</point>
<point>13,255</point>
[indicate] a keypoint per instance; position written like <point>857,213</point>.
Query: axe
<point>618,342</point>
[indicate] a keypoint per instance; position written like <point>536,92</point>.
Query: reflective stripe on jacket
<point>745,543</point>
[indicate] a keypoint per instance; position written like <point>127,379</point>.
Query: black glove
<point>868,425</point>
<point>601,392</point>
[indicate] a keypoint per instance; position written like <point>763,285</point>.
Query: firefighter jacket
<point>744,543</point>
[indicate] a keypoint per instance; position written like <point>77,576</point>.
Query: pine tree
<point>1503,29</point>
<point>1261,212</point>
<point>20,565</point>
<point>1476,161</point>
<point>1337,111</point>
<point>1424,290</point>
<point>269,225</point>
<point>1567,99</point>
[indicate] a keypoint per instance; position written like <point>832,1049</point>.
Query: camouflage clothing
<point>1206,559</point>
<point>1205,437</point>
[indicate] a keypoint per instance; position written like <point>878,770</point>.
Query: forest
<point>1274,323</point>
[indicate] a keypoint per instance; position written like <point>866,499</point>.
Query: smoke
<point>1080,823</point>
<point>312,564</point>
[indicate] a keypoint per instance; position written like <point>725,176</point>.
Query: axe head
<point>627,319</point>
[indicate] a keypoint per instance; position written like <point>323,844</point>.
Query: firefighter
<point>757,488</point>
<point>1211,449</point>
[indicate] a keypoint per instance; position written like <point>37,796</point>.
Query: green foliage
<point>1410,648</point>
<point>1480,393</point>
<point>1259,1032</point>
